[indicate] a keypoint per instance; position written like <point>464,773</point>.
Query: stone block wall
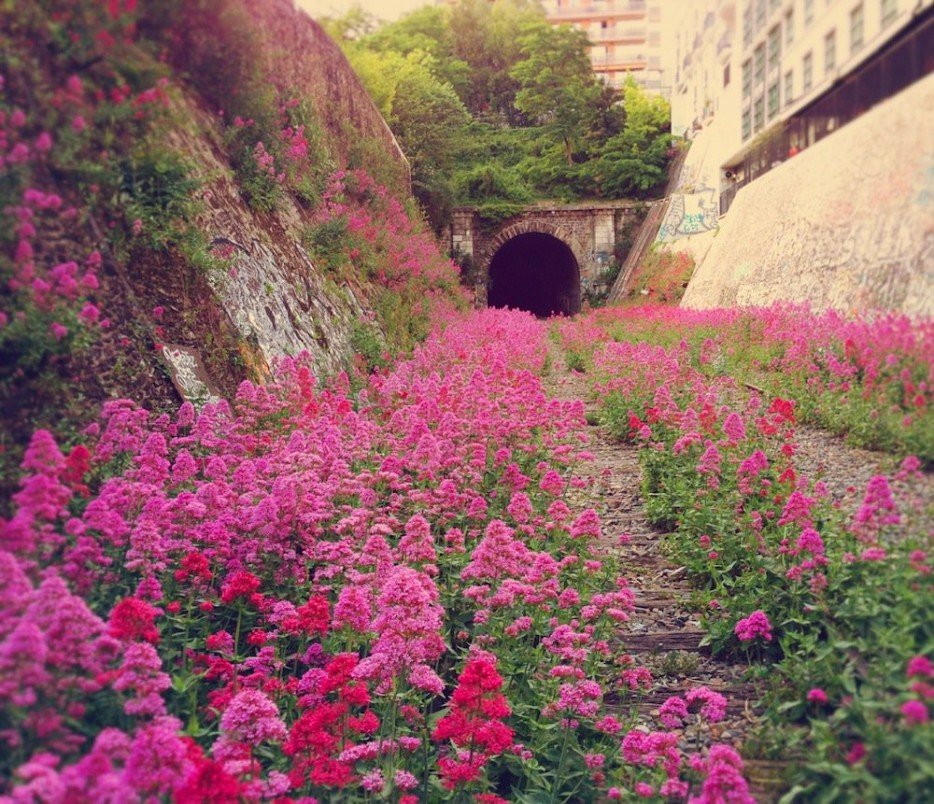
<point>590,230</point>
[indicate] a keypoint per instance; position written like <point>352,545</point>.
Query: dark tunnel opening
<point>535,272</point>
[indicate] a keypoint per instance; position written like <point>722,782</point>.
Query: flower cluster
<point>270,598</point>
<point>792,562</point>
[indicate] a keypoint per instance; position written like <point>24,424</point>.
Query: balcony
<point>635,9</point>
<point>624,35</point>
<point>621,62</point>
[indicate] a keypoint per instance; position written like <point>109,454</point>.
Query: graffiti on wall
<point>188,374</point>
<point>689,214</point>
<point>869,264</point>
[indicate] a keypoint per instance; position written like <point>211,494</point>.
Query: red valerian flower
<point>239,584</point>
<point>133,619</point>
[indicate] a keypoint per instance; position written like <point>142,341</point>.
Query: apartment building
<point>807,67</point>
<point>702,40</point>
<point>625,38</point>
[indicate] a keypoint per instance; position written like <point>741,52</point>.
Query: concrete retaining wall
<point>847,223</point>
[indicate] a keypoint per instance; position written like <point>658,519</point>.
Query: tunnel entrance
<point>535,272</point>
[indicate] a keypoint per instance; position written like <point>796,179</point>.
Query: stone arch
<point>533,226</point>
<point>533,265</point>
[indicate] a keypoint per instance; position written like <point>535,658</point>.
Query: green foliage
<point>634,160</point>
<point>557,88</point>
<point>326,243</point>
<point>156,187</point>
<point>533,121</point>
<point>366,342</point>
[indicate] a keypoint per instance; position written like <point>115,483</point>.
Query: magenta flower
<point>817,695</point>
<point>920,666</point>
<point>915,712</point>
<point>754,626</point>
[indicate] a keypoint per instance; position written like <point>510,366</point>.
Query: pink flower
<point>552,483</point>
<point>141,673</point>
<point>252,718</point>
<point>422,677</point>
<point>713,704</point>
<point>915,712</point>
<point>587,525</point>
<point>673,712</point>
<point>733,427</point>
<point>755,625</point>
<point>817,695</point>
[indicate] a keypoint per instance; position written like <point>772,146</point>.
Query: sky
<point>384,9</point>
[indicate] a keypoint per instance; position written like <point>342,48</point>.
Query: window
<point>760,14</point>
<point>807,72</point>
<point>808,11</point>
<point>789,26</point>
<point>747,79</point>
<point>747,26</point>
<point>747,124</point>
<point>726,76</point>
<point>789,87</point>
<point>759,61</point>
<point>775,47</point>
<point>830,51</point>
<point>889,11</point>
<point>759,114</point>
<point>774,99</point>
<point>856,28</point>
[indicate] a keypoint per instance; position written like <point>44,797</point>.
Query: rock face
<point>303,58</point>
<point>846,224</point>
<point>278,301</point>
<point>276,298</point>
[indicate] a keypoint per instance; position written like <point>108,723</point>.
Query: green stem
<point>564,747</point>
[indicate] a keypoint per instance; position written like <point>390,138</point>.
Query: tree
<point>425,30</point>
<point>635,159</point>
<point>351,26</point>
<point>486,38</point>
<point>557,86</point>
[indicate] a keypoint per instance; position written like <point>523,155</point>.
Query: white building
<point>625,38</point>
<point>702,41</point>
<point>806,67</point>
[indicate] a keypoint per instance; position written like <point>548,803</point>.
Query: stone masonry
<point>591,231</point>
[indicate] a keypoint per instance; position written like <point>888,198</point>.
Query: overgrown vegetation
<point>98,202</point>
<point>495,107</point>
<point>661,277</point>
<point>825,591</point>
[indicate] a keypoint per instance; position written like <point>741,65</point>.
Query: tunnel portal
<point>535,272</point>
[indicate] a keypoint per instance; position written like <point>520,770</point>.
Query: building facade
<point>625,38</point>
<point>807,67</point>
<point>702,39</point>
